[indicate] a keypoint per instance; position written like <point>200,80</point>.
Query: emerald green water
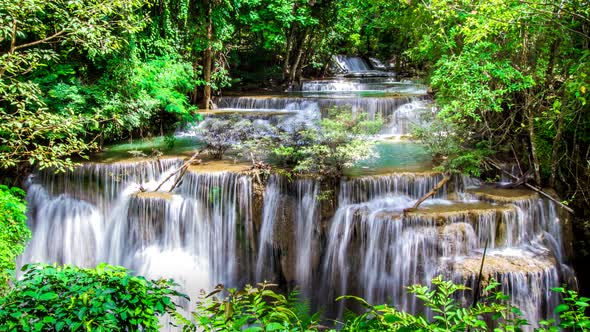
<point>148,147</point>
<point>394,157</point>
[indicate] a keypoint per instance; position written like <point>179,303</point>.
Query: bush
<point>448,313</point>
<point>572,312</point>
<point>261,309</point>
<point>453,149</point>
<point>67,298</point>
<point>14,232</point>
<point>328,147</point>
<point>221,134</point>
<point>252,309</point>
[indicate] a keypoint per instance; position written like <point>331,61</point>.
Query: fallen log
<point>429,194</point>
<point>540,191</point>
<point>182,169</point>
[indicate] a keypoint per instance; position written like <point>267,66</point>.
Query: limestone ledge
<point>155,195</point>
<point>218,166</point>
<point>442,213</point>
<point>491,193</point>
<point>504,262</point>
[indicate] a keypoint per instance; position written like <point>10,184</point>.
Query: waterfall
<point>101,184</point>
<point>306,219</point>
<point>216,202</point>
<point>365,188</point>
<point>374,251</point>
<point>353,63</point>
<point>290,229</point>
<point>265,264</point>
<point>67,230</point>
<point>348,85</point>
<point>383,108</point>
<point>195,235</point>
<point>220,227</point>
<point>408,115</point>
<point>525,276</point>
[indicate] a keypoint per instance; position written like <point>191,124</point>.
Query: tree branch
<point>567,208</point>
<point>436,188</point>
<point>40,41</point>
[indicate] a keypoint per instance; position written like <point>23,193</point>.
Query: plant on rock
<point>222,134</point>
<point>329,146</point>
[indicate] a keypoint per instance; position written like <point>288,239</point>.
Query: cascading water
<point>220,227</point>
<point>265,264</point>
<point>190,235</point>
<point>365,188</point>
<point>348,85</point>
<point>407,116</point>
<point>289,206</point>
<point>307,226</point>
<point>353,63</point>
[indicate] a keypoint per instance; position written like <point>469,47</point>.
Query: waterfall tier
<point>221,223</point>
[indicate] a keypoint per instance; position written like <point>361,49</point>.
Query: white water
<point>408,116</point>
<point>205,232</point>
<point>353,63</point>
<point>307,228</point>
<point>265,264</point>
<point>191,235</point>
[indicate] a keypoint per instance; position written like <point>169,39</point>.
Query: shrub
<point>328,147</point>
<point>572,312</point>
<point>221,134</point>
<point>261,309</point>
<point>448,313</point>
<point>252,309</point>
<point>67,298</point>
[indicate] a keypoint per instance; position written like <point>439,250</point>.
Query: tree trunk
<point>297,62</point>
<point>195,94</point>
<point>556,143</point>
<point>304,60</point>
<point>531,125</point>
<point>287,60</point>
<point>208,58</point>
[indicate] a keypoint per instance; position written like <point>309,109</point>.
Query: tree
<point>512,76</point>
<point>339,143</point>
<point>14,233</point>
<point>36,34</point>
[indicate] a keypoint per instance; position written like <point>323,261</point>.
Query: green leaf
<point>253,329</point>
<point>561,308</point>
<point>274,327</point>
<point>47,296</point>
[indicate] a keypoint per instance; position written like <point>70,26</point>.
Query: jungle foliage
<point>14,233</point>
<point>67,298</point>
<point>108,298</point>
